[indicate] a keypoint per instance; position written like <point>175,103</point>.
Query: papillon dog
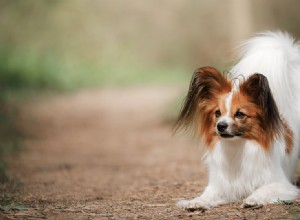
<point>249,122</point>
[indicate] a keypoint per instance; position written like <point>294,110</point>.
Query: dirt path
<point>109,154</point>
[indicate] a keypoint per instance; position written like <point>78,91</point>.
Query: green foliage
<point>21,70</point>
<point>285,202</point>
<point>26,70</point>
<point>292,207</point>
<point>13,207</point>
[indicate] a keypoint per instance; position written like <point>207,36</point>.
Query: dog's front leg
<point>209,198</point>
<point>271,193</point>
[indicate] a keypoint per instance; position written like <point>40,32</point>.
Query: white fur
<point>240,169</point>
<point>226,118</point>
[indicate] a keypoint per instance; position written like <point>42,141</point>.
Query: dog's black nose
<point>222,126</point>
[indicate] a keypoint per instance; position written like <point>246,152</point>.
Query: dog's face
<point>220,111</point>
<point>235,115</point>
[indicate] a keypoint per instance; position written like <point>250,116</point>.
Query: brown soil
<point>110,154</point>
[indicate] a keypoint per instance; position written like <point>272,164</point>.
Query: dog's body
<point>249,124</point>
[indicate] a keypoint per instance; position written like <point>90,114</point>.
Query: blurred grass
<point>28,70</point>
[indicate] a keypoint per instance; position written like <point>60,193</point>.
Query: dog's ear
<point>257,88</point>
<point>206,84</point>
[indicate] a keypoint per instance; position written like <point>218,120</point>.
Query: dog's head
<point>218,109</point>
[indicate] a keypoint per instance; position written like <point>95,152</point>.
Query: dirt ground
<point>110,154</point>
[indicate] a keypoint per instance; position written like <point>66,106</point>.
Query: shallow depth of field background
<point>52,44</point>
<point>62,46</point>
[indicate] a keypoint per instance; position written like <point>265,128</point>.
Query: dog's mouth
<point>228,135</point>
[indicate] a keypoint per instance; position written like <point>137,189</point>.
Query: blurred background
<point>66,45</point>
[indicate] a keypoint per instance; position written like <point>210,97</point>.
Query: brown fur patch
<point>250,125</point>
<point>288,138</point>
<point>267,124</point>
<point>206,88</point>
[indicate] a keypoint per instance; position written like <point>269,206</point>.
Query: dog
<point>249,123</point>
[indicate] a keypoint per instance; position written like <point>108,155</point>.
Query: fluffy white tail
<point>277,56</point>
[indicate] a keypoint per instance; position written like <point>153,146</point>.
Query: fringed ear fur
<point>206,84</point>
<point>257,88</point>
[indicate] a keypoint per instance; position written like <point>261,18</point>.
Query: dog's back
<point>277,56</point>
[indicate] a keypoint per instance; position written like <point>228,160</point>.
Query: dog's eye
<point>218,113</point>
<point>239,115</point>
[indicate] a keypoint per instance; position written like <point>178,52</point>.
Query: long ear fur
<point>206,84</point>
<point>257,88</point>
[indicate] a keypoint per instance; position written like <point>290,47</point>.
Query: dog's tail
<point>277,56</point>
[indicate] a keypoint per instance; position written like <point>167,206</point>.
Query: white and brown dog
<point>250,127</point>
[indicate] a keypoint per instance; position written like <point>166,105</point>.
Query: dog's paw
<point>192,205</point>
<point>251,203</point>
